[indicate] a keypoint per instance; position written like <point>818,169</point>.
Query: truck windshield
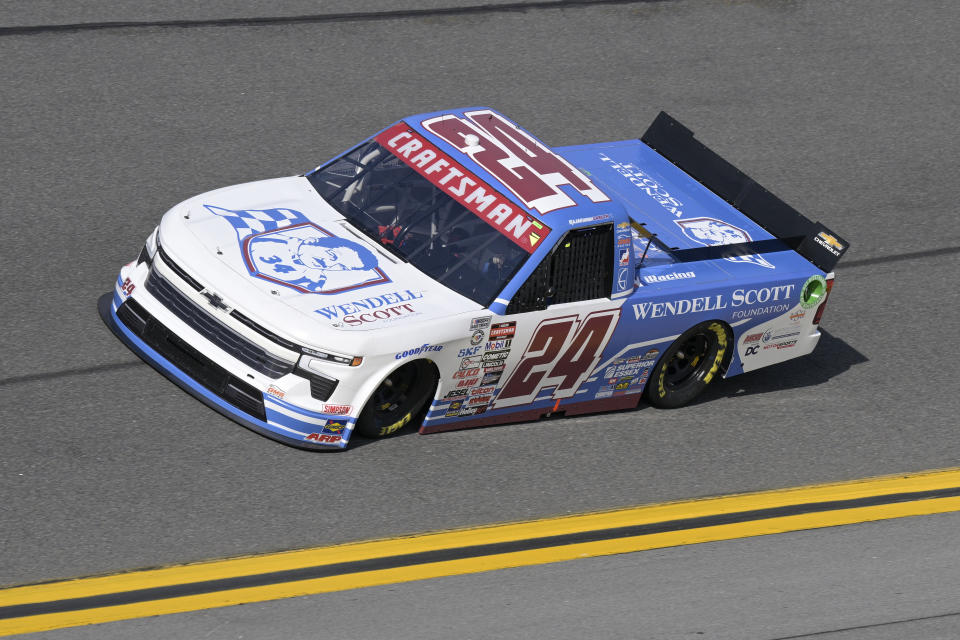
<point>405,213</point>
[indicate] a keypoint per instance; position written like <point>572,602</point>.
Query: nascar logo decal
<point>464,187</point>
<point>526,167</point>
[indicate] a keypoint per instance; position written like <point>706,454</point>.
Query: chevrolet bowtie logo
<point>215,301</point>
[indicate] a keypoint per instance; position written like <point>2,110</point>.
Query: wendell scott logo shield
<point>283,247</point>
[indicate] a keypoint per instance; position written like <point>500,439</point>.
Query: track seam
<point>359,16</point>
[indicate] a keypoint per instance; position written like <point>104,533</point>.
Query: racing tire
<point>397,401</point>
<point>689,365</point>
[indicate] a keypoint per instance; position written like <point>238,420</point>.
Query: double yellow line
<point>273,576</point>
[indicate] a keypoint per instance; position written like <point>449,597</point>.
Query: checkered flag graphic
<point>247,222</point>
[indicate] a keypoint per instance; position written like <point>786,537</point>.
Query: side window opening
<point>580,267</point>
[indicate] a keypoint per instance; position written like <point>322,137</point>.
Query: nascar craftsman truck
<point>453,271</point>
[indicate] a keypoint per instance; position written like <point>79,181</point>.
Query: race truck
<point>453,271</point>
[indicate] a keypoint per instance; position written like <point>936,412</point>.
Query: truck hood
<point>276,251</point>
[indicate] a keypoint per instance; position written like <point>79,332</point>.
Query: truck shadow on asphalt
<point>832,357</point>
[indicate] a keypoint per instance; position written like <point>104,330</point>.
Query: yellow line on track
<point>248,566</point>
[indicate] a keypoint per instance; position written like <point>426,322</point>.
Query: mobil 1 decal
<point>561,354</point>
<point>522,164</point>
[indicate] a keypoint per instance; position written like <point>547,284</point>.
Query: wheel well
<point>728,356</point>
<point>435,370</point>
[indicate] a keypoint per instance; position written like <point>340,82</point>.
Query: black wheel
<point>397,400</point>
<point>688,366</point>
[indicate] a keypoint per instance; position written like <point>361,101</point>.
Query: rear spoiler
<point>812,240</point>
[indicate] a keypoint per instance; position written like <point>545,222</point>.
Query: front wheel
<point>397,400</point>
<point>688,366</point>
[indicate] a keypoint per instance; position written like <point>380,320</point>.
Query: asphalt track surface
<point>846,110</point>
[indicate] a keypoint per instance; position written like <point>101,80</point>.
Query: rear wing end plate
<point>812,240</point>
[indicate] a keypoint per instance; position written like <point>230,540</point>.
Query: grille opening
<point>197,366</point>
<point>251,354</point>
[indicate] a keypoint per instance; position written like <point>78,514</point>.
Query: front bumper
<point>214,385</point>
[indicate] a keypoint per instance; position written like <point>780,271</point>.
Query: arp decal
<point>711,232</point>
<point>562,352</point>
<point>323,437</point>
<point>526,167</point>
<point>282,246</point>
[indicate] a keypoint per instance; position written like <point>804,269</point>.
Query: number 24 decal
<point>560,354</point>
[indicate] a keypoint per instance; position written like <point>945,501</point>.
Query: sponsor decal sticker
<point>336,409</point>
<point>471,362</point>
<point>786,344</point>
<point>796,316</point>
<point>470,351</point>
<point>491,377</point>
<point>477,337</point>
<point>494,345</point>
<point>479,323</point>
<point>424,348</point>
<point>753,337</point>
<point>276,392</point>
<point>466,373</point>
<point>323,437</point>
<point>468,383</point>
<point>463,186</point>
<point>481,391</point>
<point>829,242</point>
<point>602,216</point>
<point>496,356</point>
<point>455,393</point>
<point>503,330</point>
<point>335,426</point>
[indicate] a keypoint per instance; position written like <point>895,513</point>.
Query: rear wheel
<point>689,365</point>
<point>397,400</point>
